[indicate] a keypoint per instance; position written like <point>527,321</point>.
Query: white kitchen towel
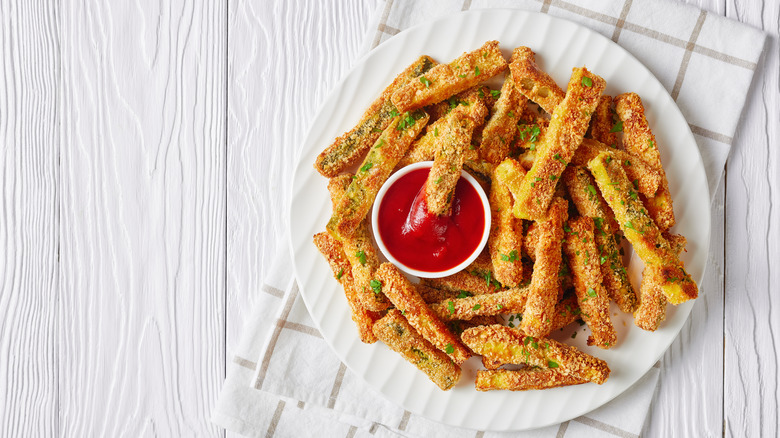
<point>284,379</point>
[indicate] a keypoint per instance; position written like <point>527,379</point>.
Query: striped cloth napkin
<point>284,379</point>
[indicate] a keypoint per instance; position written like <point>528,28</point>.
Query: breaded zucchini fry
<point>639,141</point>
<point>540,307</point>
<point>396,332</point>
<point>378,164</point>
<point>448,162</point>
<point>652,306</point>
<point>587,198</point>
<point>506,237</point>
<point>472,281</point>
<point>347,149</point>
<point>583,256</point>
<point>405,298</point>
<point>444,80</point>
<point>511,346</point>
<point>510,174</point>
<point>562,137</point>
<point>364,319</point>
<point>601,123</point>
<point>532,82</point>
<point>524,379</point>
<point>645,177</point>
<point>640,230</point>
<point>360,252</point>
<point>501,129</point>
<point>531,240</point>
<point>466,308</point>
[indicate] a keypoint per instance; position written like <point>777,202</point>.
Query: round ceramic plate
<point>560,45</point>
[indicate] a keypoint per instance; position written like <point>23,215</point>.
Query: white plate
<point>560,45</point>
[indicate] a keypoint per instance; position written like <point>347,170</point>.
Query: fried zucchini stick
<point>364,319</point>
<point>601,123</point>
<point>448,162</point>
<point>510,174</point>
<point>396,332</point>
<point>466,308</point>
<point>500,130</point>
<point>652,306</point>
<point>404,296</point>
<point>360,253</point>
<point>524,380</point>
<point>540,307</point>
<point>583,256</point>
<point>506,237</point>
<point>511,346</point>
<point>347,149</point>
<point>562,137</point>
<point>640,229</point>
<point>376,167</point>
<point>532,82</point>
<point>424,148</point>
<point>587,198</point>
<point>472,281</point>
<point>444,80</point>
<point>639,141</point>
<point>645,177</point>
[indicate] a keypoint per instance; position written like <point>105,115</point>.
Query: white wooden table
<point>144,151</point>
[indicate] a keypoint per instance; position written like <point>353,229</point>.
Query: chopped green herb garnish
<point>552,364</point>
<point>617,127</point>
<point>591,292</point>
<point>366,167</point>
<point>361,255</point>
<point>476,307</point>
<point>558,157</point>
<point>425,81</point>
<point>495,93</point>
<point>376,286</point>
<point>449,349</point>
<point>512,257</point>
<point>586,81</point>
<point>464,294</point>
<point>380,143</point>
<point>451,307</point>
<point>476,70</point>
<point>341,272</point>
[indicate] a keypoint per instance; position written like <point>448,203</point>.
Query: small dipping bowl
<point>469,255</point>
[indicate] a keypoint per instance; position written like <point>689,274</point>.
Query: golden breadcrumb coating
<point>601,123</point>
<point>405,298</point>
<point>364,319</point>
<point>376,167</point>
<point>540,307</point>
<point>561,138</point>
<point>500,130</point>
<point>468,307</point>
<point>524,380</point>
<point>585,195</point>
<point>396,332</point>
<point>640,229</point>
<point>532,82</point>
<point>444,80</point>
<point>583,257</point>
<point>511,346</point>
<point>652,306</point>
<point>505,242</point>
<point>347,149</point>
<point>639,141</point>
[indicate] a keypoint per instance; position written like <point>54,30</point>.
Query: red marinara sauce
<point>424,241</point>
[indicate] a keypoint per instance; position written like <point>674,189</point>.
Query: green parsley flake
<point>591,292</point>
<point>341,272</point>
<point>618,127</point>
<point>586,81</point>
<point>380,143</point>
<point>476,70</point>
<point>559,158</point>
<point>425,81</point>
<point>449,349</point>
<point>552,364</point>
<point>376,286</point>
<point>476,307</point>
<point>495,93</point>
<point>451,307</point>
<point>366,167</point>
<point>361,255</point>
<point>464,294</point>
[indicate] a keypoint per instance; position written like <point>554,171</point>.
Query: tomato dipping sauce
<point>421,240</point>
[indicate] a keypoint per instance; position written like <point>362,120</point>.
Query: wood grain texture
<point>284,57</point>
<point>142,217</point>
<point>752,304</point>
<point>29,146</point>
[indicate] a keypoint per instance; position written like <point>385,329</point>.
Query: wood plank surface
<point>752,302</point>
<point>141,301</point>
<point>29,148</point>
